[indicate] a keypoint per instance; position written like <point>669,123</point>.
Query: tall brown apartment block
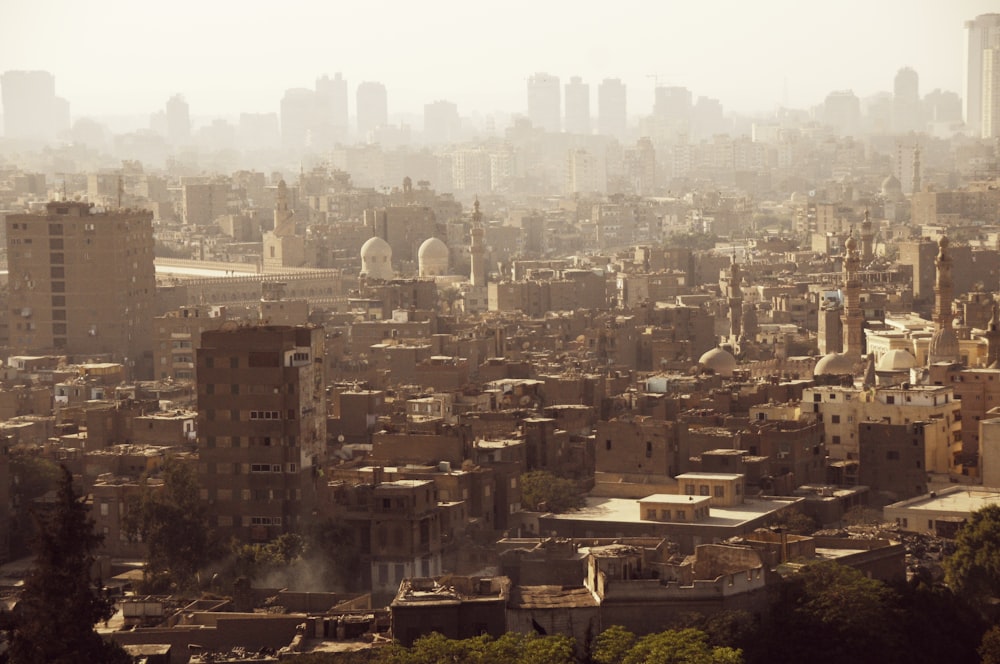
<point>261,426</point>
<point>82,283</point>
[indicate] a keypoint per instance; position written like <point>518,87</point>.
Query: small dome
<point>896,360</point>
<point>432,258</point>
<point>719,361</point>
<point>376,259</point>
<point>375,247</point>
<point>834,364</point>
<point>432,248</point>
<point>943,347</point>
<point>851,244</point>
<point>891,183</point>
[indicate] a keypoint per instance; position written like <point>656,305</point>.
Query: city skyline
<point>751,57</point>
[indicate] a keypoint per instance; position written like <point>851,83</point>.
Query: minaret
<point>944,343</point>
<point>283,224</point>
<point>993,339</point>
<point>867,241</point>
<point>477,249</point>
<point>735,301</point>
<point>853,317</point>
<point>916,169</point>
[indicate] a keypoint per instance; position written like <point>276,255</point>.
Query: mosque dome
<point>896,359</point>
<point>718,361</point>
<point>376,259</point>
<point>943,346</point>
<point>834,364</point>
<point>432,258</point>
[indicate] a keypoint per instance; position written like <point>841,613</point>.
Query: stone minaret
<point>283,224</point>
<point>993,339</point>
<point>853,317</point>
<point>477,249</point>
<point>867,241</point>
<point>916,170</point>
<point>944,343</point>
<point>735,301</point>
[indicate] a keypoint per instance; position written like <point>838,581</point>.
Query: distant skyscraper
<point>441,122</point>
<point>373,107</point>
<point>842,111</point>
<point>577,106</point>
<point>331,106</point>
<point>611,108</point>
<point>991,91</point>
<point>259,131</point>
<point>298,117</point>
<point>906,101</point>
<point>545,102</point>
<point>979,35</point>
<point>672,110</point>
<point>178,120</point>
<point>31,109</point>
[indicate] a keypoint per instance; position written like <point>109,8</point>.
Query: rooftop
<point>625,510</point>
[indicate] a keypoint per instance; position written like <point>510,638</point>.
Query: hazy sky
<point>129,56</point>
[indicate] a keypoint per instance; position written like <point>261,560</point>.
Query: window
<point>689,489</point>
<point>892,455</point>
<point>720,492</point>
<point>890,399</point>
<point>265,415</point>
<point>703,489</point>
<point>836,440</point>
<point>104,509</point>
<point>607,444</point>
<point>835,419</point>
<point>681,515</point>
<point>649,449</point>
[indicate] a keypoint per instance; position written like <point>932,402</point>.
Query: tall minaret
<point>477,249</point>
<point>916,169</point>
<point>867,241</point>
<point>283,224</point>
<point>993,339</point>
<point>735,301</point>
<point>944,343</point>
<point>853,317</point>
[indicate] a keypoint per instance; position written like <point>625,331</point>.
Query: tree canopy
<point>973,570</point>
<point>540,489</point>
<point>173,522</point>
<point>53,622</point>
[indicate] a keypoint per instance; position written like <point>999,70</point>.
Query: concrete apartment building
<point>82,283</point>
<point>261,426</point>
<point>176,337</point>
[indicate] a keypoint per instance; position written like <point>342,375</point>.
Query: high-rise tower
<point>261,426</point>
<point>979,35</point>
<point>577,106</point>
<point>373,107</point>
<point>611,108</point>
<point>82,283</point>
<point>545,102</point>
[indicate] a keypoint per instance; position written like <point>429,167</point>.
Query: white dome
<point>719,361</point>
<point>432,258</point>
<point>896,360</point>
<point>834,364</point>
<point>376,259</point>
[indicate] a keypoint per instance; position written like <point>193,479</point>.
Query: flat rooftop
<point>626,510</point>
<point>956,499</point>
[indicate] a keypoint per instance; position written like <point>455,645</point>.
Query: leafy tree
<point>684,646</point>
<point>34,476</point>
<point>989,649</point>
<point>511,648</point>
<point>53,623</point>
<point>973,570</point>
<point>937,624</point>
<point>541,489</point>
<point>833,613</point>
<point>173,522</point>
<point>612,645</point>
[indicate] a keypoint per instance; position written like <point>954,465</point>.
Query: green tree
<point>33,477</point>
<point>833,613</point>
<point>989,649</point>
<point>973,570</point>
<point>173,522</point>
<point>683,646</point>
<point>53,622</point>
<point>612,645</point>
<point>540,490</point>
